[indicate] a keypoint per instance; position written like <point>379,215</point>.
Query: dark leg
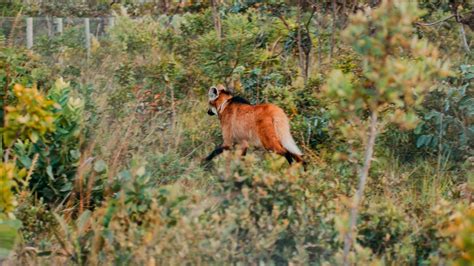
<point>289,157</point>
<point>215,152</point>
<point>244,145</point>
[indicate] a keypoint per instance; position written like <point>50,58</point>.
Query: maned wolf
<point>261,125</point>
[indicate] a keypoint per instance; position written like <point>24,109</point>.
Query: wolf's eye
<point>212,111</point>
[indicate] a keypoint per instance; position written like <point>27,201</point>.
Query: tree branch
<point>363,174</point>
<point>435,22</point>
<point>299,41</point>
<point>310,18</point>
<point>464,39</point>
<point>284,21</point>
<point>439,21</point>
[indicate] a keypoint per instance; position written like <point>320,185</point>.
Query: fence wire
<point>30,32</point>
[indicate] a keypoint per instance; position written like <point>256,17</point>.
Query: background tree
<point>398,69</point>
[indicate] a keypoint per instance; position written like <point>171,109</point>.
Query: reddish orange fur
<point>250,125</point>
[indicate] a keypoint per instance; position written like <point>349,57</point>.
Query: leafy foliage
<point>31,118</point>
<point>118,180</point>
<point>276,214</point>
<point>9,176</point>
<point>383,228</point>
<point>460,226</point>
<point>58,151</point>
<point>446,125</point>
<point>397,69</point>
<point>219,58</point>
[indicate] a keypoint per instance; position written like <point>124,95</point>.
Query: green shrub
<point>58,151</point>
<point>275,214</point>
<point>218,58</point>
<point>31,118</point>
<point>444,234</point>
<point>445,122</point>
<point>72,39</point>
<point>384,228</point>
<point>196,24</point>
<point>36,218</point>
<point>18,66</point>
<point>134,37</point>
<point>10,176</point>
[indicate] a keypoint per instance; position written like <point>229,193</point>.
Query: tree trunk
<point>333,30</point>
<point>363,174</point>
<point>217,18</point>
<point>304,42</point>
<point>318,34</point>
<point>300,45</point>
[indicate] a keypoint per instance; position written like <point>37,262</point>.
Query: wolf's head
<point>218,96</point>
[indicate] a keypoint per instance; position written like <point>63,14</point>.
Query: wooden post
<point>87,27</point>
<point>29,33</point>
<point>100,27</point>
<point>49,26</point>
<point>59,23</point>
<point>111,22</point>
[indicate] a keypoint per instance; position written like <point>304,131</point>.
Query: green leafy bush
<point>445,235</point>
<point>17,66</point>
<point>134,37</point>
<point>36,218</point>
<point>10,175</point>
<point>31,118</point>
<point>385,230</point>
<point>58,151</point>
<point>446,123</point>
<point>219,57</point>
<point>275,215</point>
<point>61,45</point>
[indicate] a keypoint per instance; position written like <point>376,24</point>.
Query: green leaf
<point>421,141</point>
<point>432,114</point>
<point>8,235</point>
<point>67,187</point>
<point>100,166</point>
<point>418,128</point>
<point>82,221</point>
<point>62,224</point>
<point>75,154</point>
<point>49,171</point>
<point>34,137</point>
<point>25,161</point>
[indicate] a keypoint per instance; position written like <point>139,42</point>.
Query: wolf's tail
<point>282,128</point>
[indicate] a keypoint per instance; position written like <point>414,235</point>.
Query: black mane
<point>238,99</point>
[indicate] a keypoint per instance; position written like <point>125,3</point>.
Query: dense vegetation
<point>102,151</point>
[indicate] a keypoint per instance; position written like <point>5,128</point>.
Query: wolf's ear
<point>213,93</point>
